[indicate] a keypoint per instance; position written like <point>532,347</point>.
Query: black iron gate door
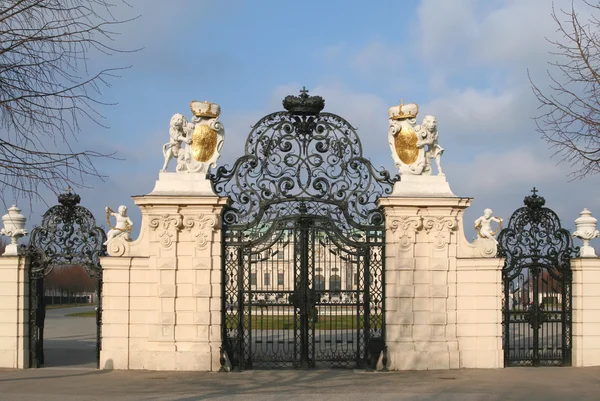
<point>537,287</point>
<point>303,244</point>
<point>67,236</point>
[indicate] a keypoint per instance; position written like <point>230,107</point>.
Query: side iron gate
<point>303,244</point>
<point>537,287</point>
<point>68,236</point>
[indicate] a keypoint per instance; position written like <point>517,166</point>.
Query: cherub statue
<point>123,225</point>
<point>483,225</point>
<point>179,130</point>
<point>428,135</point>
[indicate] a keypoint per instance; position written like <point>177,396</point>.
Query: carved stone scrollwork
<point>163,224</point>
<point>439,229</point>
<point>202,226</point>
<point>405,228</point>
<point>117,247</point>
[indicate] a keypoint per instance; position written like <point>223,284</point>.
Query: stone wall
<point>586,311</point>
<point>14,312</point>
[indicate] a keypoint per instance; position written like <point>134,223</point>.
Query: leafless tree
<point>569,118</point>
<point>47,85</point>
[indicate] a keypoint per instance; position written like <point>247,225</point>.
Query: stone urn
<point>585,226</point>
<point>14,227</point>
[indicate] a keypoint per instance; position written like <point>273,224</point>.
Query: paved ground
<point>69,376</point>
<point>70,341</point>
<point>530,384</point>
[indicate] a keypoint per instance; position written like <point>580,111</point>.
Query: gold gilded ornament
<point>204,143</point>
<point>405,143</point>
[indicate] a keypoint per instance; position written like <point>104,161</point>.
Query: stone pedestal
<point>162,292</point>
<point>183,184</point>
<point>14,312</point>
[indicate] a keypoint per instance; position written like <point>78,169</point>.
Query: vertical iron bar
<point>535,310</point>
<point>304,283</point>
<point>99,320</point>
<point>367,306</point>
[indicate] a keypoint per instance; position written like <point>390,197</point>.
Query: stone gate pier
<point>162,292</point>
<point>443,294</point>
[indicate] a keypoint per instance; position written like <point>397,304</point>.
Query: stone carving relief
<point>439,229</point>
<point>202,227</point>
<point>166,226</point>
<point>405,229</point>
<point>413,146</point>
<point>203,139</point>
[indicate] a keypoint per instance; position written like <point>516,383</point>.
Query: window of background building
<point>319,284</point>
<point>335,283</point>
<point>252,278</point>
<point>280,278</point>
<point>267,279</point>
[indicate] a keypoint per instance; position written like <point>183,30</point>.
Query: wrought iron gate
<point>303,243</point>
<point>537,286</point>
<point>67,236</point>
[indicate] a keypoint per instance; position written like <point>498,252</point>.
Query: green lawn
<point>91,313</point>
<point>62,306</point>
<point>286,322</point>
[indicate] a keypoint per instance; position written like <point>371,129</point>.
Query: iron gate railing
<point>537,287</point>
<point>303,242</point>
<point>68,235</point>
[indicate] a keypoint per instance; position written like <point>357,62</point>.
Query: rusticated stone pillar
<point>437,287</point>
<point>162,292</point>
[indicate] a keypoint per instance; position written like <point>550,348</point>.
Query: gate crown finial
<point>69,198</point>
<point>534,201</point>
<point>304,105</point>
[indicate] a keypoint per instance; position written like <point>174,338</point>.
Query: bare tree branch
<point>569,118</point>
<point>47,88</point>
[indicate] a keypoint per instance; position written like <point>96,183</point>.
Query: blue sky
<point>464,61</point>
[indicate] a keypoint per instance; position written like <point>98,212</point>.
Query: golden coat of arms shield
<point>405,143</point>
<point>204,143</point>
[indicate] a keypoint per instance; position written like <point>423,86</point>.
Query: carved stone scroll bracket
<point>202,227</point>
<point>166,226</point>
<point>439,229</point>
<point>405,229</point>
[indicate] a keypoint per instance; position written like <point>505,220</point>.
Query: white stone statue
<point>122,227</point>
<point>14,227</point>
<point>428,135</point>
<point>203,139</point>
<point>483,225</point>
<point>413,146</point>
<point>179,130</point>
<point>585,229</point>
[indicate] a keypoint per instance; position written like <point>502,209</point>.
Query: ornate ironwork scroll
<point>68,235</point>
<point>537,286</point>
<point>303,243</point>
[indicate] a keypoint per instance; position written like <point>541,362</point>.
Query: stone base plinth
<point>422,186</point>
<point>186,184</point>
<point>430,355</point>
